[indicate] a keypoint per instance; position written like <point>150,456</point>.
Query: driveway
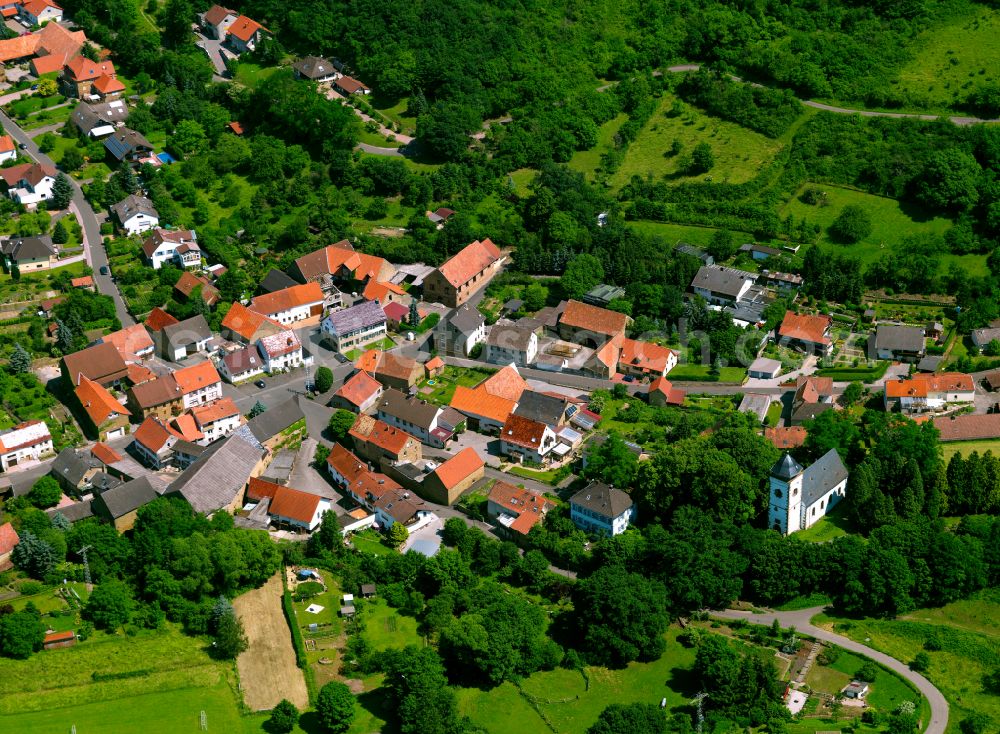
<point>305,477</point>
<point>213,49</point>
<point>93,243</point>
<point>801,620</point>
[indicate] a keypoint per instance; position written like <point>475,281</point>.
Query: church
<point>800,497</point>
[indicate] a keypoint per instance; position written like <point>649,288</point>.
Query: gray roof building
<point>215,481</point>
<point>602,499</point>
<point>71,466</point>
<point>132,205</point>
<point>724,281</point>
<point>125,498</point>
<point>822,475</point>
<point>99,119</point>
<point>274,420</point>
<point>509,336</point>
<point>692,251</point>
<point>188,331</point>
<point>75,512</point>
<point>786,468</point>
<point>408,410</point>
<point>315,68</point>
<point>356,318</point>
<point>603,294</point>
<point>897,338</point>
<point>20,249</point>
<point>982,337</point>
<point>126,143</point>
<point>547,409</point>
<point>280,468</point>
<point>243,360</point>
<point>276,280</point>
<point>465,319</point>
<point>757,404</point>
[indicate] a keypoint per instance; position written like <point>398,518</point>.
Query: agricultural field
<point>739,153</point>
<point>690,233</point>
<point>891,222</point>
<point>969,635</point>
<point>952,59</point>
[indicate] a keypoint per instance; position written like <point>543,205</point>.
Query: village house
<point>216,420</point>
<point>354,327</point>
<point>75,471</point>
<point>29,253</point>
<point>396,316</point>
<point>24,443</point>
<point>127,145</point>
<point>340,262</point>
<point>981,338</point>
<point>107,418</point>
<point>296,510</point>
<point>184,339</point>
<point>120,505</point>
<point>190,283</point>
<point>645,359</point>
<point>348,85</point>
<point>800,497</point>
<point>390,369</point>
<point>813,395</point>
<point>281,351</point>
<point>176,246</point>
<point>523,439</point>
<point>397,505</point>
<point>8,151</point>
<point>662,392</point>
<point>491,402</point>
<point>8,541</point>
<point>36,12</point>
<point>199,384</point>
<point>156,320</point>
<point>434,367</point>
<point>241,365</point>
<point>133,342</point>
<point>469,270</point>
<point>29,183</point>
<point>160,398</point>
<point>599,509</point>
<point>552,409</point>
<point>591,326</point>
<point>445,484</point>
<point>722,286</point>
<point>897,343</point>
<point>100,119</point>
<point>924,393</point>
<point>245,34</point>
<point>345,469</point>
<point>805,332</point>
<point>153,442</point>
<point>515,510</point>
<point>51,46</point>
<point>384,293</point>
<point>217,480</point>
<point>101,363</point>
<point>968,427</point>
<point>756,404</point>
<point>215,22</point>
<point>316,69</point>
<point>300,303</point>
<point>410,414</point>
<point>786,437</point>
<point>359,394</point>
<point>440,216</point>
<point>90,80</point>
<point>459,332</point>
<point>244,326</point>
<point>383,444</point>
<point>511,344</point>
<point>136,214</point>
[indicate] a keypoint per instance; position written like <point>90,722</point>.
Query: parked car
<point>260,383</point>
<point>23,146</point>
<point>340,358</point>
<point>628,378</point>
<point>104,270</point>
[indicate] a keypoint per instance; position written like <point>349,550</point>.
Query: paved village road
<point>93,242</point>
<point>801,620</point>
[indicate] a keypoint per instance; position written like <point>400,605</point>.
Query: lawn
<point>692,234</point>
<point>548,476</point>
<point>442,388</point>
<point>587,161</point>
<point>739,153</point>
<point>521,179</point>
<point>965,448</point>
<point>700,372</point>
<point>386,627</point>
<point>969,632</point>
<point>891,223</point>
<point>834,525</point>
<point>570,705</point>
<point>369,541</point>
<point>250,75</point>
<point>952,59</point>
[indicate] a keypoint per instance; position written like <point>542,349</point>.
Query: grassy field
<point>969,632</point>
<point>569,705</point>
<point>965,448</point>
<point>739,153</point>
<point>587,161</point>
<point>386,627</point>
<point>251,75</point>
<point>834,525</point>
<point>953,58</point>
<point>689,233</point>
<point>696,372</point>
<point>891,223</point>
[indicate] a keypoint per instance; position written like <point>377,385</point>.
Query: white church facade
<point>800,497</point>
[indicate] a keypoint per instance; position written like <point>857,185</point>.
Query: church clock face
<point>777,493</point>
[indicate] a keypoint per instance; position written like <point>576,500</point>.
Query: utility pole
<point>86,567</point>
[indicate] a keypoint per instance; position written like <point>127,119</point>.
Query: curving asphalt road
<point>801,620</point>
<point>93,242</point>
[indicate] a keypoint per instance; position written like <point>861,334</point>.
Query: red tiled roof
<point>154,434</point>
<point>347,464</point>
<point>284,342</point>
<point>130,341</point>
<point>591,318</point>
<point>81,69</point>
<point>349,84</point>
<point>287,298</point>
<point>196,377</point>
<point>673,395</point>
<point>523,431</point>
<point>215,411</point>
<point>810,389</point>
<point>53,637</point>
<point>236,127</point>
<point>107,85</point>
<point>84,281</point>
<point>189,281</point>
<point>8,538</point>
<point>507,383</point>
<point>160,235</point>
<point>359,389</point>
<point>805,328</point>
<point>529,507</point>
<point>786,437</point>
<point>920,386</point>
<point>38,6</point>
<point>137,374</point>
<point>158,318</point>
<point>433,363</point>
<point>259,488</point>
<point>968,427</point>
<point>377,290</point>
<point>459,467</point>
<point>645,356</point>
<point>244,28</point>
<point>241,320</point>
<point>396,311</point>
<point>98,403</point>
<point>216,14</point>
<point>468,262</point>
<point>105,454</point>
<point>185,425</point>
<point>30,172</point>
<point>380,434</point>
<point>480,403</point>
<point>294,504</point>
<point>6,144</point>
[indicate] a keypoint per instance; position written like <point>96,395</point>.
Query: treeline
<point>768,111</point>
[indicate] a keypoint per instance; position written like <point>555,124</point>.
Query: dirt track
<point>267,669</point>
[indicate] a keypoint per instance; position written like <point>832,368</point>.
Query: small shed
<point>347,611</point>
<point>348,599</point>
<point>59,639</point>
<point>992,380</point>
<point>367,591</point>
<point>856,689</point>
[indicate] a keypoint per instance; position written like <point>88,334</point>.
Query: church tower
<point>785,508</point>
